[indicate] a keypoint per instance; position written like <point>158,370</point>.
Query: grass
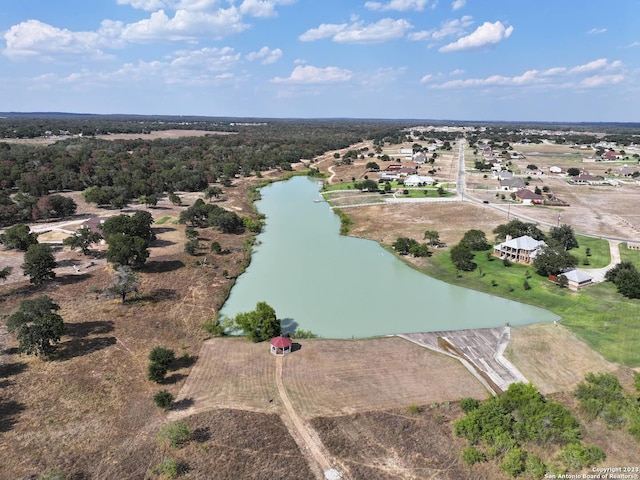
<point>163,220</point>
<point>607,322</point>
<point>628,255</point>
<point>599,249</point>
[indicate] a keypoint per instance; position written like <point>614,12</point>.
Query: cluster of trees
<point>602,396</point>
<point>502,428</point>
<point>462,254</point>
<point>201,214</point>
<point>114,172</point>
<point>128,237</point>
<point>409,246</point>
<point>626,277</point>
<point>260,324</point>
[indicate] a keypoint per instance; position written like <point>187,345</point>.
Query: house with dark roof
<point>586,179</point>
<point>528,197</point>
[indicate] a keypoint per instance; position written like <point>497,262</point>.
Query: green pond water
<point>341,287</point>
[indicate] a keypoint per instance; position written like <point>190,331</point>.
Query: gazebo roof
<point>281,342</point>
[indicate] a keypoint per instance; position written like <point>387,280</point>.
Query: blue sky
<point>536,60</point>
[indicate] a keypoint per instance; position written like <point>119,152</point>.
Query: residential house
<point>611,156</point>
<point>520,250</point>
<point>586,179</point>
<point>419,157</point>
<point>503,175</point>
<point>527,197</point>
<point>627,171</point>
<point>389,177</point>
<point>512,184</point>
<point>418,180</point>
<point>577,279</point>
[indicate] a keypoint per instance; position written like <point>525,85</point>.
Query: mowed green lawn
<point>603,318</point>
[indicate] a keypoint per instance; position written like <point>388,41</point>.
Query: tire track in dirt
<point>308,440</point>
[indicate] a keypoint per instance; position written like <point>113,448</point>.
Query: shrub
<point>577,456</point>
<point>163,399</point>
<point>170,468</point>
<point>176,433</point>
<point>156,372</point>
<point>54,474</point>
<point>161,355</point>
<point>469,404</point>
<point>535,467</point>
<point>213,327</point>
<point>514,462</point>
<point>472,456</point>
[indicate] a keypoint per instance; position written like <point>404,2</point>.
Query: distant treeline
<point>127,169</point>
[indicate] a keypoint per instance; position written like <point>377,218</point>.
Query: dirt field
<point>325,377</point>
<point>552,358</point>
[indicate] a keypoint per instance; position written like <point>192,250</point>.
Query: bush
<point>213,327</point>
<point>535,467</point>
<point>170,468</point>
<point>163,399</point>
<point>469,404</point>
<point>156,372</point>
<point>162,356</point>
<point>176,433</point>
<point>54,474</point>
<point>514,462</point>
<point>472,456</point>
<point>577,456</point>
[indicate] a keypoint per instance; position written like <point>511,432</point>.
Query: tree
<point>373,166</point>
<point>564,236</point>
<point>462,258</point>
<point>149,200</point>
<point>553,260</point>
<point>517,228</point>
<point>433,236</point>
<point>161,355</point>
<point>82,239</point>
<point>37,326</point>
<point>212,192</point>
<point>124,282</point>
<point>5,272</point>
<point>39,263</point>
<point>19,236</point>
<point>402,245</point>
<point>419,250</point>
<point>127,250</point>
<point>175,199</point>
<point>163,399</point>
<point>475,240</point>
<point>260,324</point>
<point>573,171</point>
<point>367,185</point>
<point>136,225</point>
<point>156,372</point>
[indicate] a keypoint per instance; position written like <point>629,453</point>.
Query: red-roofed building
<point>281,345</point>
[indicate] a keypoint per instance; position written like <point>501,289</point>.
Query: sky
<point>494,60</point>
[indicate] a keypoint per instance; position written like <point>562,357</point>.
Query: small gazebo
<point>281,345</point>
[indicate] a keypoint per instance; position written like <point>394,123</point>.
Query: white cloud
<point>458,4</point>
<point>261,8</point>
<point>559,77</point>
<point>265,55</point>
<point>426,78</point>
<point>633,45</point>
<point>206,66</point>
<point>598,64</point>
<point>599,80</point>
<point>457,71</point>
<point>149,5</point>
<point>34,38</point>
<point>186,24</point>
<point>486,34</point>
<point>447,28</point>
<point>359,32</point>
<point>308,74</point>
<point>325,30</point>
<point>596,31</point>
<point>399,5</point>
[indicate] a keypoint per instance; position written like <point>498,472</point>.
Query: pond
<point>342,287</point>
